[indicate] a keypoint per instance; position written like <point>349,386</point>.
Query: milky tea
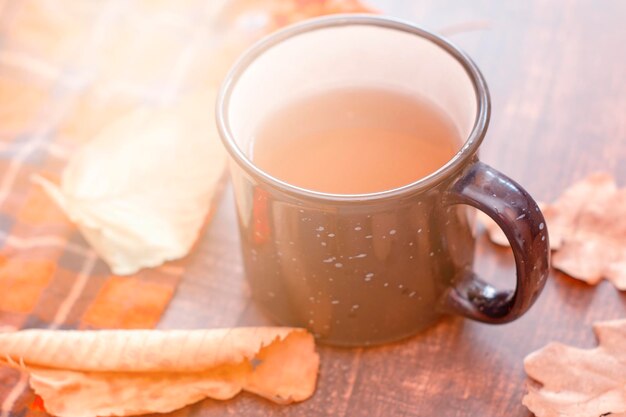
<point>355,141</point>
<point>351,141</point>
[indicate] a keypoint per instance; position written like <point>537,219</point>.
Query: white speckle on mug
<point>412,294</point>
<point>329,260</point>
<point>369,237</point>
<point>359,256</point>
<point>392,232</point>
<point>338,265</point>
<point>543,238</point>
<point>541,226</point>
<point>369,276</point>
<point>323,243</point>
<point>335,302</point>
<point>419,230</point>
<point>410,243</point>
<point>358,228</point>
<point>432,254</point>
<point>400,286</point>
<point>411,257</point>
<point>311,321</point>
<point>311,299</point>
<point>355,307</point>
<point>331,235</point>
<point>386,284</point>
<point>320,229</point>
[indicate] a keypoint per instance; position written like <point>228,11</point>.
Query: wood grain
<point>556,71</point>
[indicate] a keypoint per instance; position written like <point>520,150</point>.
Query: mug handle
<point>519,217</point>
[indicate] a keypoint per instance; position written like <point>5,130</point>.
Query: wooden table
<point>557,73</point>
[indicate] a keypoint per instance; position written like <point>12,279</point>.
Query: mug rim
<point>468,149</point>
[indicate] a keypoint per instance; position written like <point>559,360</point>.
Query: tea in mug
<point>355,140</point>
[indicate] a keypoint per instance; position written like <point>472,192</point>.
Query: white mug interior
<point>353,55</point>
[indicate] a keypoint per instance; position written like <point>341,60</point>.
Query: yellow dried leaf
<point>580,382</point>
<point>140,191</point>
<point>122,372</point>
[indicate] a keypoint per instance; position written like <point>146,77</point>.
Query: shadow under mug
<point>372,268</point>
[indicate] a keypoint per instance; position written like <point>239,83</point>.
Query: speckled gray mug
<point>372,268</point>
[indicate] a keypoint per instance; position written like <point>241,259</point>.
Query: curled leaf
<point>580,382</point>
<point>141,189</point>
<point>104,373</point>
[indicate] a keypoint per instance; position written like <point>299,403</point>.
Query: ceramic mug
<point>372,268</point>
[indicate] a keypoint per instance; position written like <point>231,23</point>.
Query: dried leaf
<point>587,230</point>
<point>141,189</point>
<point>103,373</point>
<point>589,226</point>
<point>496,235</point>
<point>580,382</point>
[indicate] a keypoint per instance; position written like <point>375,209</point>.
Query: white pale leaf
<point>140,190</point>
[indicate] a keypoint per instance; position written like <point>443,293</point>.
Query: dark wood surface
<point>557,74</point>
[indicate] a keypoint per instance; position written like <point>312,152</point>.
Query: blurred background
<point>555,69</point>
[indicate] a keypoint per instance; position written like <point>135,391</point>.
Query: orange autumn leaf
<point>131,372</point>
<point>587,228</point>
<point>580,382</point>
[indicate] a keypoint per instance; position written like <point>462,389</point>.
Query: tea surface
<point>355,141</point>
